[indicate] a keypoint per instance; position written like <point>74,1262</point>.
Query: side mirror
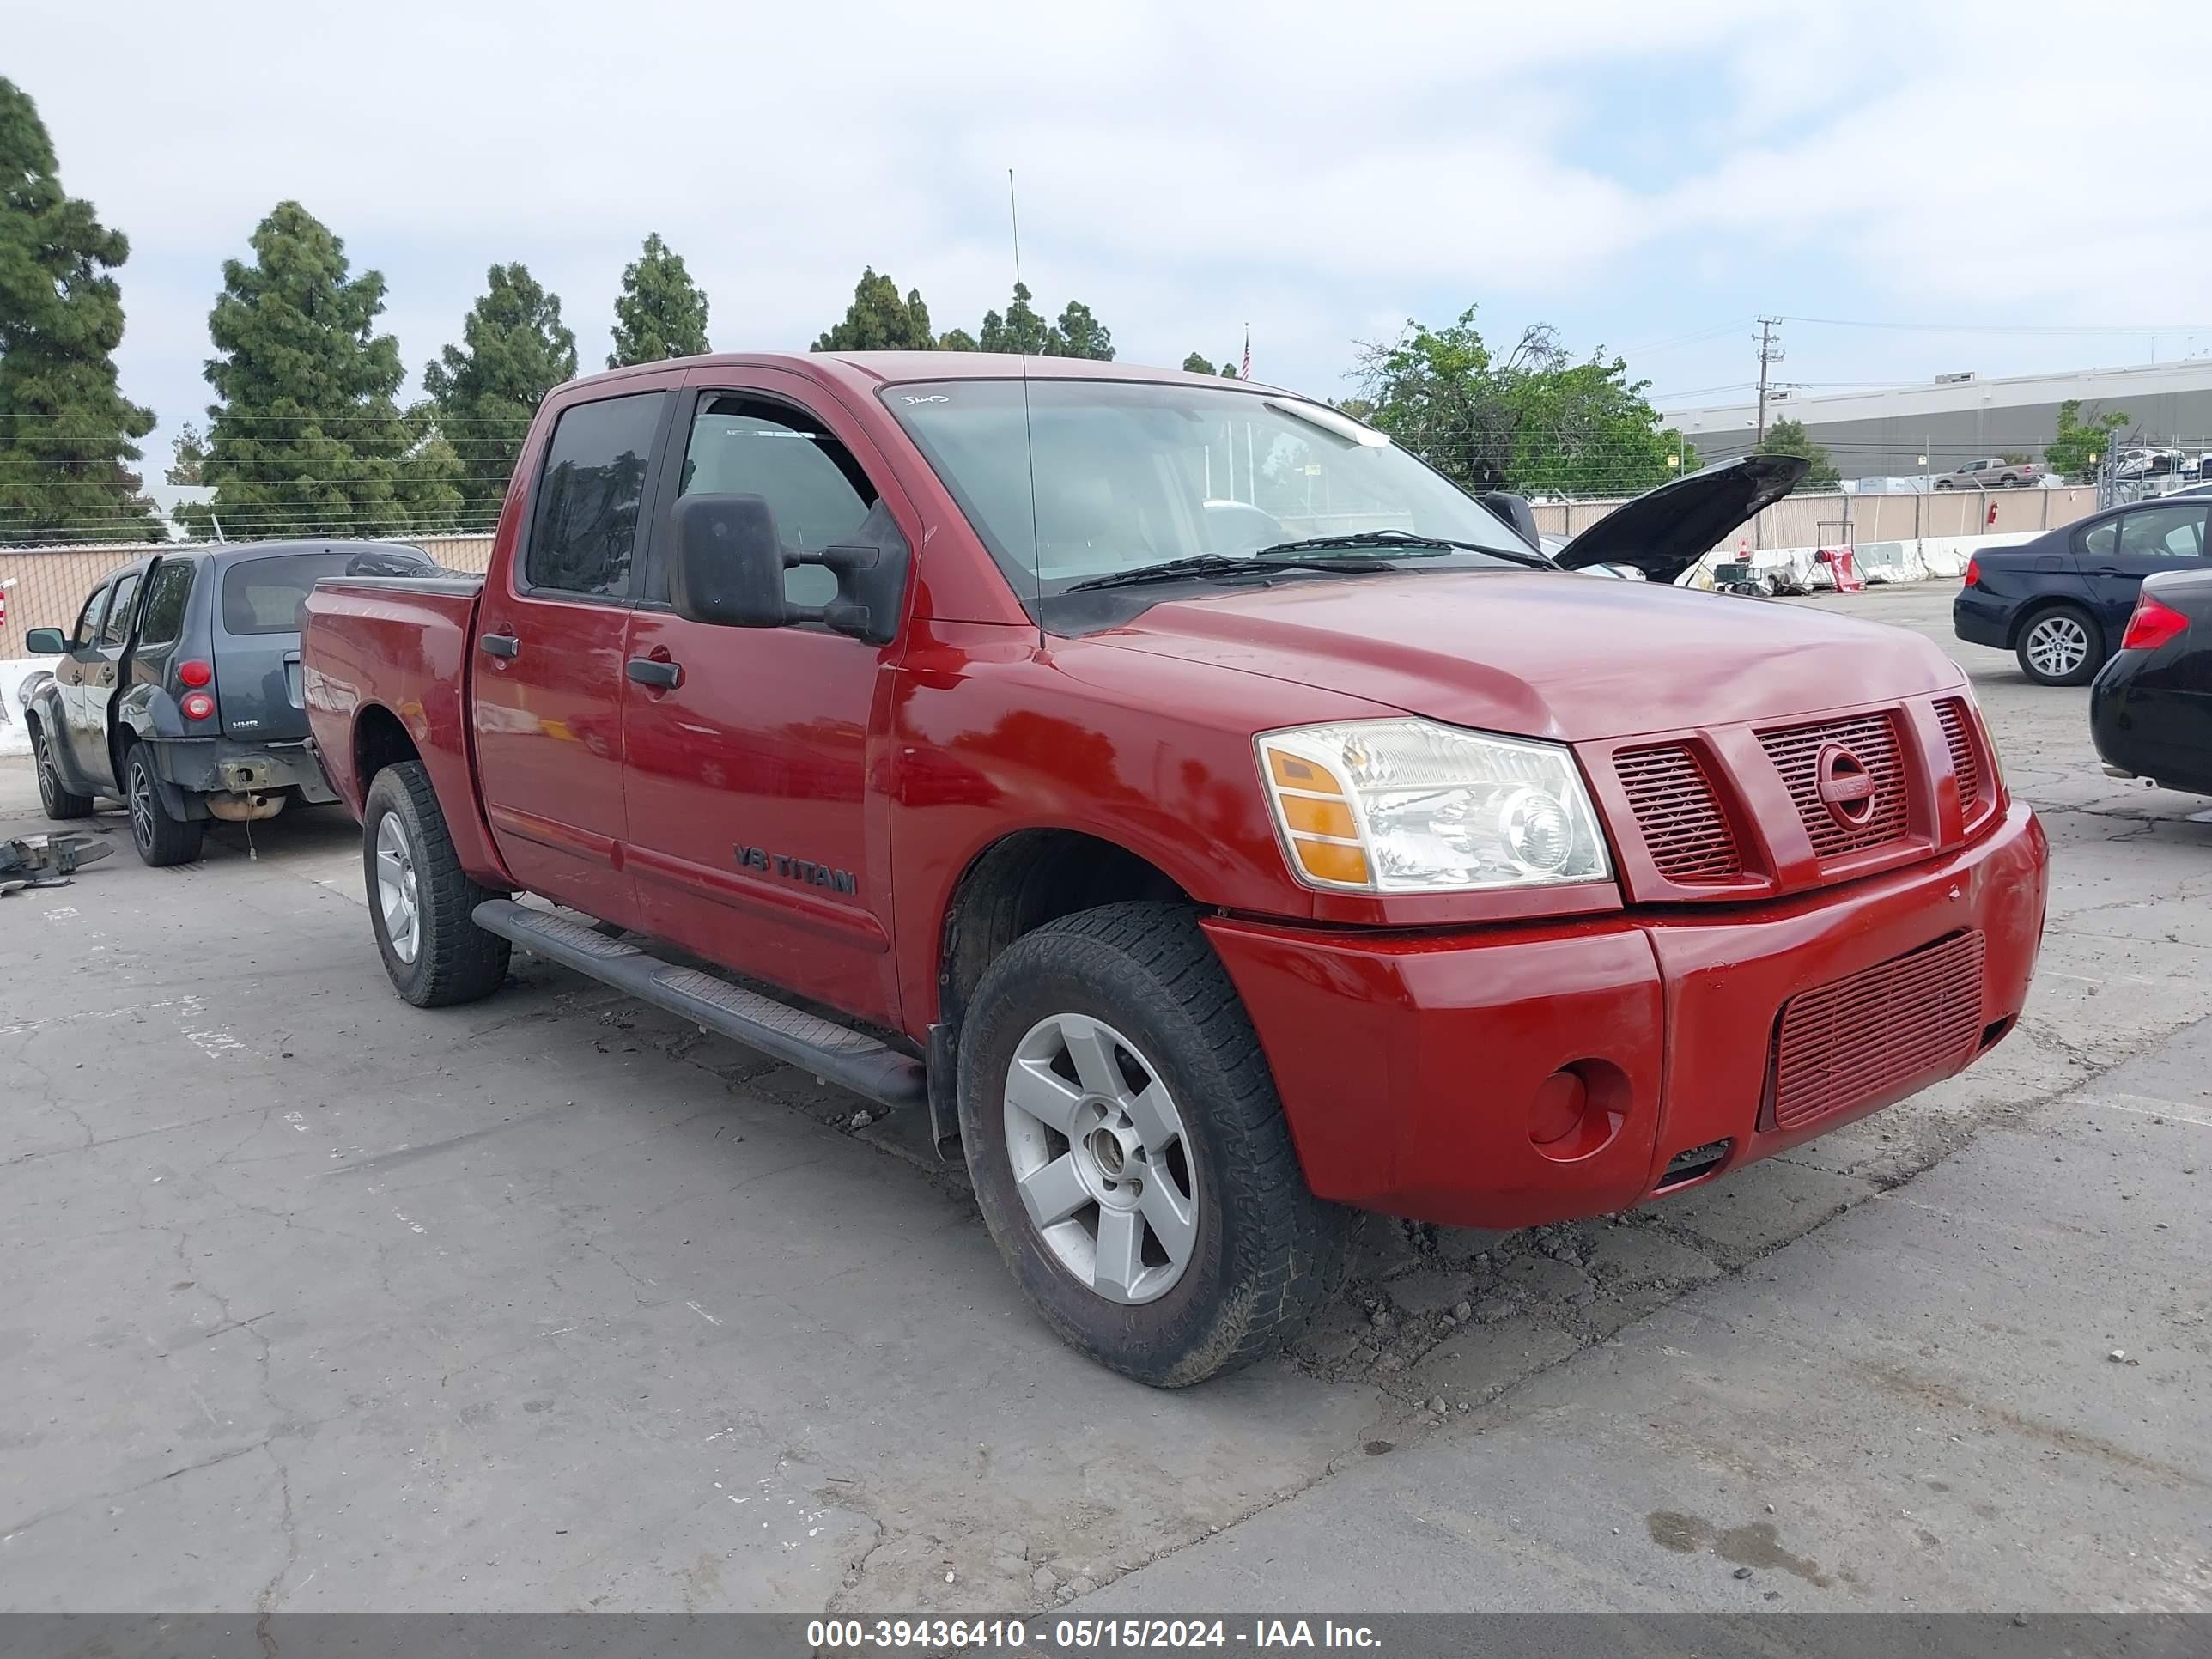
<point>728,568</point>
<point>1517,512</point>
<point>729,565</point>
<point>46,642</point>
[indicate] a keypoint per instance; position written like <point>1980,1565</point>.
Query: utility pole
<point>1770,353</point>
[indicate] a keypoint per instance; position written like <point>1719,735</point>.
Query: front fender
<point>42,707</point>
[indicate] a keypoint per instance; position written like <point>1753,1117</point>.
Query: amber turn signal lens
<point>1330,861</point>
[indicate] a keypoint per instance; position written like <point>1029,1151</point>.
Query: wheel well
<point>379,741</point>
<point>2041,607</point>
<point>1019,883</point>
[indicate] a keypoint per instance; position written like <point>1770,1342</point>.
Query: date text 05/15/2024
<point>1084,1635</point>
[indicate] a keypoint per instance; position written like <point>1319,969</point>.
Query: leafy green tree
<point>1228,369</point>
<point>1790,438</point>
<point>878,320</point>
<point>1535,421</point>
<point>2079,448</point>
<point>661,311</point>
<point>958,339</point>
<point>1195,364</point>
<point>187,455</point>
<point>1020,329</point>
<point>306,439</point>
<point>1080,334</point>
<point>67,433</point>
<point>1684,451</point>
<point>483,392</point>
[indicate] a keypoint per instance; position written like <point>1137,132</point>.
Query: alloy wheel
<point>141,804</point>
<point>396,895</point>
<point>1101,1158</point>
<point>2058,646</point>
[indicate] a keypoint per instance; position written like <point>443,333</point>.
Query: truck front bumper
<point>1420,1072</point>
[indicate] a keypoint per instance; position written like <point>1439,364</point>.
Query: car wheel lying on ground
<point>1207,871</point>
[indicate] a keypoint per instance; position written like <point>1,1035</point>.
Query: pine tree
<point>307,440</point>
<point>515,349</point>
<point>187,455</point>
<point>1080,334</point>
<point>1020,329</point>
<point>958,339</point>
<point>661,311</point>
<point>67,433</point>
<point>878,320</point>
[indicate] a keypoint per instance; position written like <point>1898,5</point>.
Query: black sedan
<point>2150,711</point>
<point>2060,601</point>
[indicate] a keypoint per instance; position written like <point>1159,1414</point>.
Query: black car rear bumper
<point>1980,620</point>
<point>2144,733</point>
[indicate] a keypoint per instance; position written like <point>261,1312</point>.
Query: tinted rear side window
<point>264,596</point>
<point>584,535</point>
<point>171,585</point>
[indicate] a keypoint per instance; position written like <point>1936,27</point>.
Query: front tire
<point>421,903</point>
<point>1130,1154</point>
<point>2062,645</point>
<point>161,841</point>
<point>53,794</point>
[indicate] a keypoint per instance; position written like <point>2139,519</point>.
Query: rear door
<point>552,632</point>
<point>754,838</point>
<point>2115,555</point>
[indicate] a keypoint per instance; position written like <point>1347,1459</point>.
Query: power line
<point>2002,328</point>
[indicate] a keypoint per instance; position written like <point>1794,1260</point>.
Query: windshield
<point>1130,474</point>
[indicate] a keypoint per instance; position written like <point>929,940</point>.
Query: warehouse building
<point>1956,417</point>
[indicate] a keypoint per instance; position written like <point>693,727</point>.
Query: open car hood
<point>1663,532</point>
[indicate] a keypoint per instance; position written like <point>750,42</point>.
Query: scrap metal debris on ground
<point>46,861</point>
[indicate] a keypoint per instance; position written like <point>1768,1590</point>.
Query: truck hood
<point>1663,532</point>
<point>1542,654</point>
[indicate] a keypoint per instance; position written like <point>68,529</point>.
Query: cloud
<point>1304,166</point>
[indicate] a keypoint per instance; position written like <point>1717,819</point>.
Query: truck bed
<point>401,644</point>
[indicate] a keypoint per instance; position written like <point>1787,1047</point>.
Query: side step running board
<point>852,1059</point>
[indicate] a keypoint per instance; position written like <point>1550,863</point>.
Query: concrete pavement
<point>317,1302</point>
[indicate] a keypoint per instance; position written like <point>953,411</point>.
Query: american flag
<point>1245,373</point>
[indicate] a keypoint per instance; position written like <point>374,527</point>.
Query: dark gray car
<point>179,690</point>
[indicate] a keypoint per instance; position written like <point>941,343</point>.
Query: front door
<point>98,666</point>
<point>2115,555</point>
<point>548,658</point>
<point>70,674</point>
<point>754,839</point>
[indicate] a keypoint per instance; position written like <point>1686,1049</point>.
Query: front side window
<point>87,620</point>
<point>816,491</point>
<point>170,585</point>
<point>1127,474</point>
<point>117,630</point>
<point>584,534</point>
<point>2164,532</point>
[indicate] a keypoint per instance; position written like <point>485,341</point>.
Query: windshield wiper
<point>1405,538</point>
<point>1220,564</point>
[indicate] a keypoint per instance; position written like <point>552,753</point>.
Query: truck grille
<point>1678,815</point>
<point>1965,764</point>
<point>1882,1031</point>
<point>1795,752</point>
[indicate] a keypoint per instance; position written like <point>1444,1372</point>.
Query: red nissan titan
<point>1215,820</point>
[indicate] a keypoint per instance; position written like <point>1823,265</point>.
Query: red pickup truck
<point>1218,822</point>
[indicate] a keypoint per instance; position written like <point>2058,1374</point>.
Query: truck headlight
<point>1409,807</point>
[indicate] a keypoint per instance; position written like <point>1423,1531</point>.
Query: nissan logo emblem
<point>1846,786</point>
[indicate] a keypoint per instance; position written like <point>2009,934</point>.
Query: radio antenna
<point>1028,434</point>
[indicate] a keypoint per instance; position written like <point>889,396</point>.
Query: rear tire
<point>161,841</point>
<point>2061,645</point>
<point>53,794</point>
<point>1178,1239</point>
<point>421,903</point>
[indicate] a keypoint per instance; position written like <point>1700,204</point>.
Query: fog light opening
<point>1694,1164</point>
<point>1994,1030</point>
<point>1578,1109</point>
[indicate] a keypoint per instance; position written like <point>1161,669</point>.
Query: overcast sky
<point>1646,176</point>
